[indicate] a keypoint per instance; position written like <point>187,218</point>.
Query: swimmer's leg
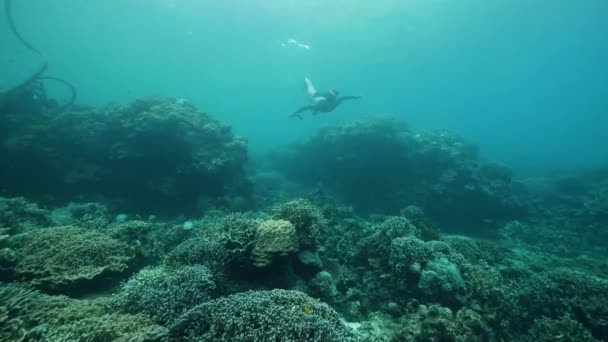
<point>310,88</point>
<point>296,114</point>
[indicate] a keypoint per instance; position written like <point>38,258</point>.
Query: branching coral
<point>277,315</point>
<point>165,294</point>
<point>307,219</point>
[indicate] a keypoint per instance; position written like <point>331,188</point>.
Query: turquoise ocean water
<point>177,200</point>
<point>525,79</point>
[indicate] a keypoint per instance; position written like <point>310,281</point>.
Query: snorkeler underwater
<point>453,186</point>
<point>321,101</point>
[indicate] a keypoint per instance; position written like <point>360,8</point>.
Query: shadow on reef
<point>378,165</point>
<point>153,155</point>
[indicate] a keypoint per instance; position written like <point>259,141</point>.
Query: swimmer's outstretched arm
<point>344,98</point>
<point>296,114</point>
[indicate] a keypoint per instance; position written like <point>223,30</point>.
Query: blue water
<point>527,80</point>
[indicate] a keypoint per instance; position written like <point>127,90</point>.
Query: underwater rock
<point>277,315</point>
<point>69,259</point>
<point>153,154</point>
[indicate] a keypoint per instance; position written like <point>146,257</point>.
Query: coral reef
<point>379,165</point>
<point>277,315</point>
<point>323,286</point>
<point>427,229</point>
<point>436,323</point>
<point>441,278</point>
<point>563,329</point>
<point>200,251</point>
<point>165,294</point>
<point>27,315</point>
<point>225,246</point>
<point>395,277</point>
<point>307,219</point>
<point>68,259</point>
<point>360,258</point>
<point>155,154</point>
<point>17,216</point>
<point>153,240</point>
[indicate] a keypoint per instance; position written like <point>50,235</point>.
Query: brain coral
<point>272,238</point>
